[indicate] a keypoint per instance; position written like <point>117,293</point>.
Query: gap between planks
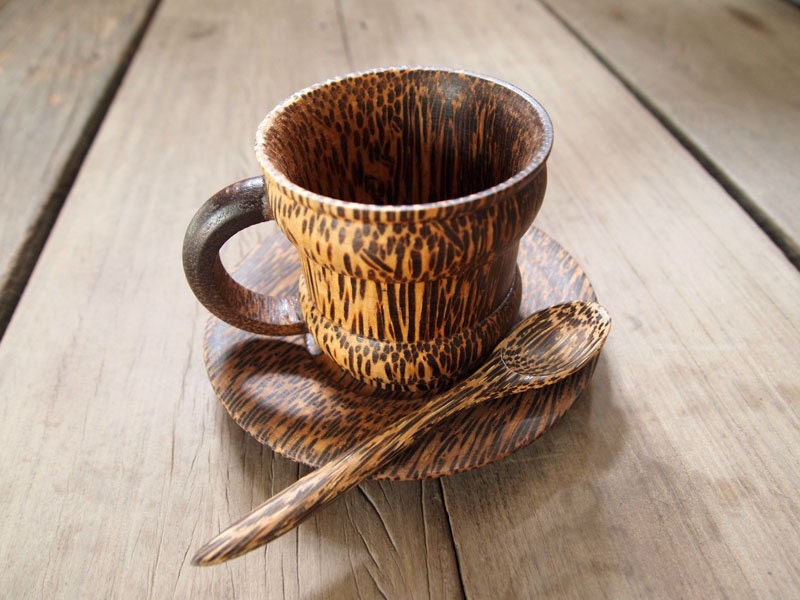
<point>774,231</point>
<point>31,248</point>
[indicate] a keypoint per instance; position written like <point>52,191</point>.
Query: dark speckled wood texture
<point>405,192</point>
<point>306,409</point>
<point>541,351</point>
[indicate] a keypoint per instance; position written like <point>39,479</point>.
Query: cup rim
<point>342,208</point>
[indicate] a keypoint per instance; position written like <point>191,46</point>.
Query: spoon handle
<point>285,510</point>
<point>542,349</point>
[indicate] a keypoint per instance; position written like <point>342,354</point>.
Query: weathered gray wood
<point>117,461</point>
<point>59,65</point>
<point>726,76</point>
<point>676,476</point>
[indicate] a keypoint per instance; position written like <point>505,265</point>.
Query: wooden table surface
<point>673,181</point>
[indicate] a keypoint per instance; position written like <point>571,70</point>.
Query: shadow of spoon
<point>543,349</point>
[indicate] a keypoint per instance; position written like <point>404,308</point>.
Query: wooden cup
<point>406,192</point>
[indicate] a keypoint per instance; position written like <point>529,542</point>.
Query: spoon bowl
<point>543,349</point>
<point>556,342</point>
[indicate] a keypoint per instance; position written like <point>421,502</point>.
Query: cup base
<point>413,368</point>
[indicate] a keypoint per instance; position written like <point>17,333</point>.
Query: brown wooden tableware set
<point>406,193</point>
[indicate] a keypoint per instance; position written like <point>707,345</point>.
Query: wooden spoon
<point>543,349</point>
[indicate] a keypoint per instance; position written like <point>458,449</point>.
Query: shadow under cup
<point>406,192</point>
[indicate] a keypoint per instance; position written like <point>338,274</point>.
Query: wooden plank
<point>59,65</point>
<point>117,461</point>
<point>726,76</point>
<point>675,476</point>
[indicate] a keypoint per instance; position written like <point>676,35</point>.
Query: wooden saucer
<point>300,406</point>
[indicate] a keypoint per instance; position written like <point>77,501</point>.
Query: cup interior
<point>404,137</point>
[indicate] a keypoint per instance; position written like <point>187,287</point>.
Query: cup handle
<point>226,213</point>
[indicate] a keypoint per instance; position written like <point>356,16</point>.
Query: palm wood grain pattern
<point>308,410</point>
<point>406,192</point>
<point>543,349</point>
